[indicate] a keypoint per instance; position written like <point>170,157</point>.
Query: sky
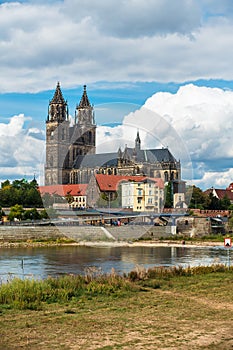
<point>163,67</point>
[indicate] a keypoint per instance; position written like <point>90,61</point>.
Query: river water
<point>41,262</point>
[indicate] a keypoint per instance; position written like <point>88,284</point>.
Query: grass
<point>158,308</point>
<point>208,238</point>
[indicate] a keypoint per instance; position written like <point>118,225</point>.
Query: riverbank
<point>167,308</point>
<point>140,243</point>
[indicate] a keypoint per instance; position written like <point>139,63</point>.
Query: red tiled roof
<point>222,193</point>
<point>230,187</point>
<point>63,190</point>
<point>111,182</point>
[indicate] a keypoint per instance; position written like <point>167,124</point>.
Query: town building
<point>143,195</point>
<point>135,193</point>
<point>71,149</point>
<point>70,196</point>
<point>220,193</point>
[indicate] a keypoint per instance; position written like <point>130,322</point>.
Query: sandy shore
<point>164,243</point>
<point>153,244</point>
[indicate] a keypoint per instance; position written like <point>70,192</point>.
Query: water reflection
<point>54,261</point>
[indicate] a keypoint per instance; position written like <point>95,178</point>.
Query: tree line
<point>20,194</point>
<point>198,199</point>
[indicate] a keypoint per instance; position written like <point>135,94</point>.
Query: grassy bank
<point>161,308</point>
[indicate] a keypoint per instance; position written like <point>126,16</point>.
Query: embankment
<point>81,233</point>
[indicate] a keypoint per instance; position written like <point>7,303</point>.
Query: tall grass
<point>33,294</point>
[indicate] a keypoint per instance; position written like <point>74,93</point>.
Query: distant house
<point>221,193</point>
<point>74,195</point>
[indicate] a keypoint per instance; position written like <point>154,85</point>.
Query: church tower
<point>83,140</point>
<point>57,140</point>
<point>137,142</point>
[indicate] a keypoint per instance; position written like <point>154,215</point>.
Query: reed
<point>33,294</point>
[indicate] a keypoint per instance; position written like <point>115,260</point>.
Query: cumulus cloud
<point>77,42</point>
<point>203,117</point>
<point>21,148</point>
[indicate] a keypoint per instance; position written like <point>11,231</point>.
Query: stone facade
<point>65,142</point>
<point>71,150</point>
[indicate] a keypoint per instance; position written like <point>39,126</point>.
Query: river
<point>41,262</point>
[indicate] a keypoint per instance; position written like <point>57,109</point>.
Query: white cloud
<point>21,148</point>
<point>203,117</point>
<point>77,42</point>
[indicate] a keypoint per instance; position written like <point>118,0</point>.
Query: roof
<point>58,97</point>
<point>153,155</point>
<point>111,182</point>
<point>96,160</point>
<point>224,193</point>
<point>220,193</point>
<point>63,190</point>
<point>110,159</point>
<point>84,100</point>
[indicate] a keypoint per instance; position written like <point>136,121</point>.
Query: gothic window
<point>52,135</point>
<point>166,176</point>
<point>90,137</point>
<point>51,161</point>
<point>172,175</point>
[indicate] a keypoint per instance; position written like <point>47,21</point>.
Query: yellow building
<point>143,196</point>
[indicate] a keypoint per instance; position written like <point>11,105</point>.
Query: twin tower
<point>64,142</point>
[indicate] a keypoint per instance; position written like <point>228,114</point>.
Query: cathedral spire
<point>58,109</point>
<point>137,142</point>
<point>58,97</point>
<point>84,100</point>
<point>84,111</point>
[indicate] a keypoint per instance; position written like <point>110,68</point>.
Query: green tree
<point>5,184</point>
<point>168,195</point>
<point>31,214</point>
<point>20,192</point>
<point>1,213</point>
<point>199,199</point>
<point>225,203</point>
<point>16,212</point>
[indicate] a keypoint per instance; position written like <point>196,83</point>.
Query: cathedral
<point>71,149</point>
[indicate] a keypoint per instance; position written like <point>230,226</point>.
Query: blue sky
<point>167,56</point>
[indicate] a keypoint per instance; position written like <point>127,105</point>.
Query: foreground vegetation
<point>159,308</point>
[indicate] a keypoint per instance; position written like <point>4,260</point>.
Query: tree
<point>20,192</point>
<point>225,203</point>
<point>16,212</point>
<point>168,196</point>
<point>31,214</point>
<point>1,213</point>
<point>199,200</point>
